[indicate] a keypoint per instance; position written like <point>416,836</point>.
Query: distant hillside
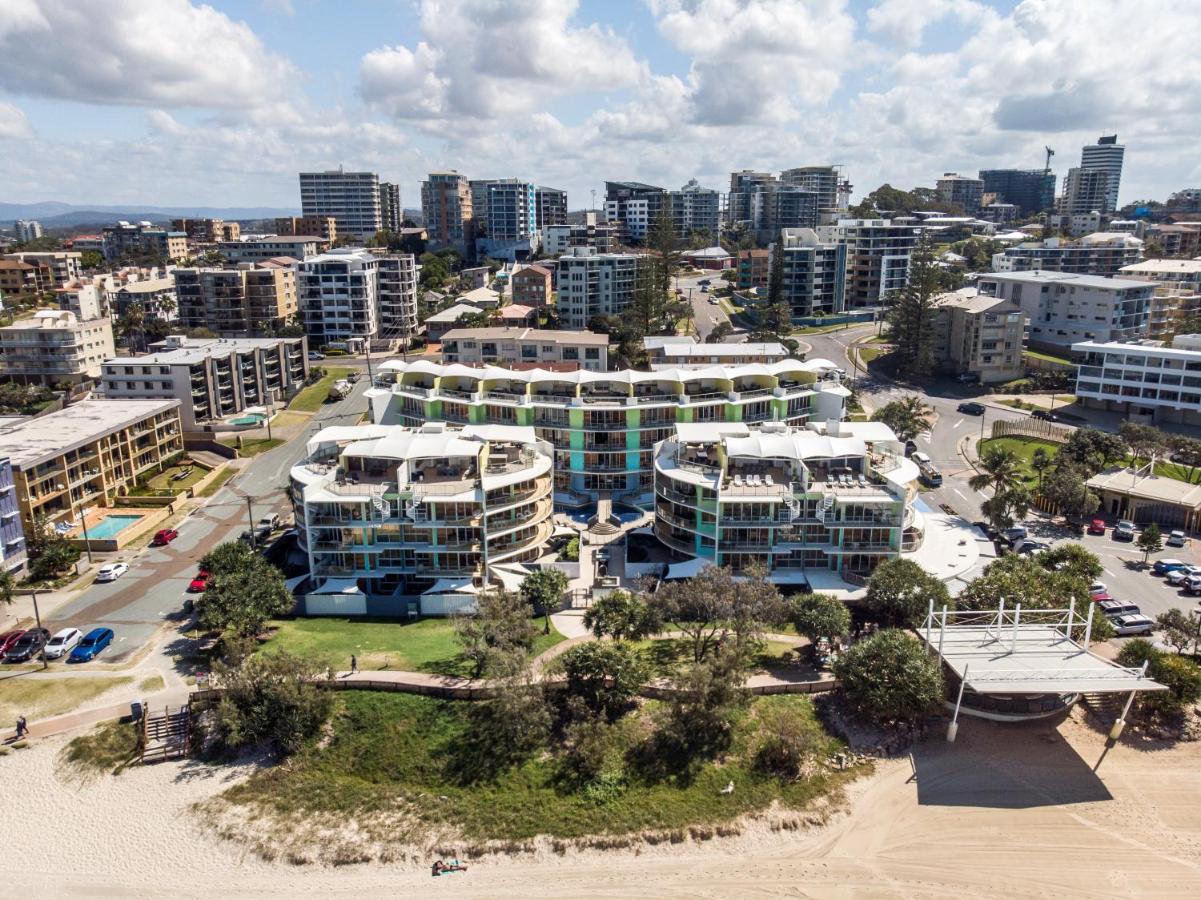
<point>53,214</point>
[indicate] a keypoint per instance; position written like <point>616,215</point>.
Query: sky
<point>174,102</point>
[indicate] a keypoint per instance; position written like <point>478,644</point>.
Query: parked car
<point>271,520</point>
<point>1103,597</point>
<point>1111,608</point>
<point>1096,526</point>
<point>1124,530</point>
<point>1164,566</point>
<point>1133,624</point>
<point>1015,534</point>
<point>163,537</point>
<point>1176,539</point>
<point>967,378</point>
<point>1027,547</point>
<point>1192,585</point>
<point>705,282</point>
<point>63,643</point>
<point>111,571</point>
<point>1045,415</point>
<point>313,354</point>
<point>8,639</point>
<point>199,583</point>
<point>971,408</point>
<point>1177,576</point>
<point>1097,587</point>
<point>28,645</point>
<point>91,646</point>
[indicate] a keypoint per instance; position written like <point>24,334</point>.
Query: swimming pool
<point>585,514</point>
<point>111,526</point>
<point>249,419</point>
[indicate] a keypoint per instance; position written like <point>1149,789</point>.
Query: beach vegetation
<point>890,678</point>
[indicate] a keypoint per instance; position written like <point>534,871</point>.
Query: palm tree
<point>1040,461</point>
<point>907,417</point>
<point>1000,469</point>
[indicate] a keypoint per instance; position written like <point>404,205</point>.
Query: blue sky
<point>174,101</point>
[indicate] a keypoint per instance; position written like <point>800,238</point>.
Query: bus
<point>930,475</point>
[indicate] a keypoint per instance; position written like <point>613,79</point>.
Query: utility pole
<point>250,516</point>
<point>38,618</point>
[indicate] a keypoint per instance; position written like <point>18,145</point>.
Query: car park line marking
<point>1107,572</point>
<point>957,424</point>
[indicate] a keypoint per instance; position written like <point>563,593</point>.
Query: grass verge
<point>40,698</point>
<point>107,749</point>
<point>152,684</point>
<point>314,396</point>
<point>394,763</point>
<point>427,645</point>
<point>216,484</point>
<point>252,446</point>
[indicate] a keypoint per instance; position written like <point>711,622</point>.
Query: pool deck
<point>148,517</point>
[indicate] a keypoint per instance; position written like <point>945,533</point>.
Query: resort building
<point>89,454</point>
<point>829,498</point>
<point>21,279</point>
<point>961,190</point>
<point>1064,308</point>
<point>506,218</point>
<point>324,227</point>
<point>212,379</point>
<point>1182,274</point>
<point>338,295</point>
<point>552,207</point>
<point>57,267</point>
<point>208,231</point>
<point>604,425</point>
<point>155,295</point>
<point>28,230</point>
<point>558,239</point>
<point>425,515</point>
<point>1144,381</point>
<point>397,303</point>
<point>634,207</point>
<point>979,335</point>
<point>252,299</point>
<point>447,212</point>
<point>1103,253</point>
<point>54,346</point>
<point>694,209</point>
<point>527,347</point>
<point>813,272</point>
<point>593,284</point>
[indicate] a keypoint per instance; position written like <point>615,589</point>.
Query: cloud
<point>133,53</point>
<point>13,124</point>
<point>903,23</point>
<point>484,59</point>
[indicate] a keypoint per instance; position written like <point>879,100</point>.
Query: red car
<point>199,583</point>
<point>1096,526</point>
<point>164,537</point>
<point>8,639</point>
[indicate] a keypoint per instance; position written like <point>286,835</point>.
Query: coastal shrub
<point>1181,676</point>
<point>622,616</point>
<point>604,676</point>
<point>499,627</point>
<point>820,615</point>
<point>889,677</point>
<point>788,741</point>
<point>899,593</point>
<point>269,700</point>
<point>243,591</point>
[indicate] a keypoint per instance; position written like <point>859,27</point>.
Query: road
<point>705,315</point>
<point>153,590</point>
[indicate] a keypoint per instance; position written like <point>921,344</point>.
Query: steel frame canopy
<point>1007,651</point>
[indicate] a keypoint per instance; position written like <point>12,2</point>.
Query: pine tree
<point>911,322</point>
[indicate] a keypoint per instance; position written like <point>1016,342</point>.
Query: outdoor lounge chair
<point>737,481</point>
<point>768,480</point>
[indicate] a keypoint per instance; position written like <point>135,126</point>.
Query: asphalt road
<point>705,315</point>
<point>154,588</point>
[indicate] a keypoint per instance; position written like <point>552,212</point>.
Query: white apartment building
<point>506,218</point>
<point>28,230</point>
<point>53,346</point>
<point>814,272</point>
<point>695,209</point>
<point>212,378</point>
<point>1064,308</point>
<point>1144,381</point>
<point>525,346</point>
<point>1102,253</point>
<point>397,298</point>
<point>687,354</point>
<point>351,198</point>
<point>338,295</point>
<point>877,253</point>
<point>260,249</point>
<point>1181,274</point>
<point>391,516</point>
<point>809,504</point>
<point>1106,156</point>
<point>592,284</point>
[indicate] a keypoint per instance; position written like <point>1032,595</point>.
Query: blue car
<point>91,645</point>
<point>1164,566</point>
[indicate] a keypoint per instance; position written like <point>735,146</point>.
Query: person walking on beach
<point>354,664</point>
<point>22,728</point>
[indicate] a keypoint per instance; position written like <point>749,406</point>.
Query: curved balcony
<point>506,548</point>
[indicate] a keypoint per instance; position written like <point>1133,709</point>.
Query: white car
<point>63,643</point>
<point>1133,624</point>
<point>1097,588</point>
<point>1179,576</point>
<point>111,571</point>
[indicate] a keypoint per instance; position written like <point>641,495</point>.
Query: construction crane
<point>1050,153</point>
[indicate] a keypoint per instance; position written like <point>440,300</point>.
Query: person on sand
<point>22,728</point>
<point>437,868</point>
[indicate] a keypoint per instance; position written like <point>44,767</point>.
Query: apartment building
<point>446,206</point>
<point>87,455</point>
<point>551,206</point>
<point>338,296</point>
<point>754,269</point>
<point>54,346</point>
<point>980,335</point>
<point>776,206</point>
<point>155,295</point>
<point>604,425</point>
<point>1103,253</point>
<point>592,284</point>
<point>533,286</point>
<point>506,218</point>
<point>1182,274</point>
<point>1084,191</point>
<point>252,299</point>
<point>695,209</point>
<point>813,271</point>
<point>878,253</point>
<point>635,207</point>
<point>391,213</point>
<point>1075,224</point>
<point>324,227</point>
<point>687,354</point>
<point>797,501</point>
<point>998,213</point>
<point>603,238</point>
<point>207,231</point>
<point>26,230</point>
<point>397,298</point>
<point>1105,156</point>
<point>1032,191</point>
<point>526,347</point>
<point>294,246</point>
<point>962,190</point>
<point>352,199</point>
<point>12,535</point>
<point>832,189</point>
<point>56,267</point>
<point>1177,239</point>
<point>21,279</point>
<point>143,239</point>
<point>424,513</point>
<point>1143,381</point>
<point>743,185</point>
<point>212,378</point>
<point>1065,308</point>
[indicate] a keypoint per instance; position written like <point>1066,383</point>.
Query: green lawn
<point>426,645</point>
<point>1048,357</point>
<point>666,656</point>
<point>252,446</point>
<point>312,397</point>
<point>163,481</point>
<point>867,354</point>
<point>416,762</point>
<point>41,698</point>
<point>215,485</point>
<point>1024,447</point>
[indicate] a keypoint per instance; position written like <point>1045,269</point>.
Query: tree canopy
<point>900,591</point>
<point>889,677</point>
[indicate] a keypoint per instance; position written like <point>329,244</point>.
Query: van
<point>930,475</point>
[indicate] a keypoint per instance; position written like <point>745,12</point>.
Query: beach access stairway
<point>167,735</point>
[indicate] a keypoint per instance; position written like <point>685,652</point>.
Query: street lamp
<point>87,542</point>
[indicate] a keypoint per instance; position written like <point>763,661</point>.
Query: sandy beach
<point>1004,812</point>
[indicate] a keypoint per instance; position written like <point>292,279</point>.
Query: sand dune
<point>1002,813</point>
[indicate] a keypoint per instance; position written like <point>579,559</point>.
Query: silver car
<point>63,643</point>
<point>1133,624</point>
